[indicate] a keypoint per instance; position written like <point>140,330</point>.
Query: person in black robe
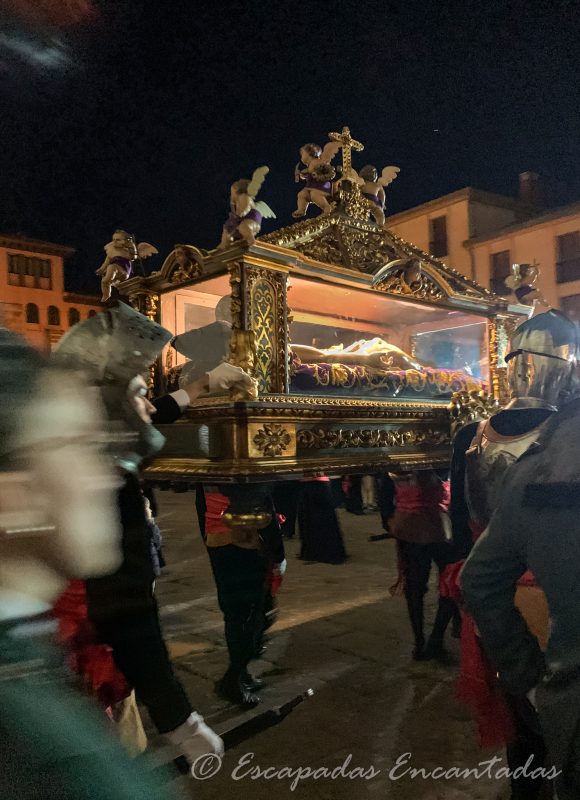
<point>320,534</point>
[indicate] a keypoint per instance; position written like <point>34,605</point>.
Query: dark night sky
<point>141,115</point>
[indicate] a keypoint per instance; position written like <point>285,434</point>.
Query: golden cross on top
<point>347,144</point>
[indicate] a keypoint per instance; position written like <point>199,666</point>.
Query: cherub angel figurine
<point>245,219</point>
<point>318,176</point>
<point>522,281</point>
<point>118,265</point>
<point>373,188</point>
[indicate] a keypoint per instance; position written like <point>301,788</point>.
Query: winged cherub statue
<point>373,188</point>
<point>318,176</point>
<point>121,252</point>
<point>522,281</point>
<point>245,219</point>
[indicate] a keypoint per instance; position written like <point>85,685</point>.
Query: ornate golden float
<point>309,288</point>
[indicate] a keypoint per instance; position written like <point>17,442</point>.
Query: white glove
<point>194,739</point>
<point>224,376</point>
<point>531,695</point>
<point>280,569</point>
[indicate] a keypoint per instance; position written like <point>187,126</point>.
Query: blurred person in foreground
<point>57,521</point>
<point>113,349</point>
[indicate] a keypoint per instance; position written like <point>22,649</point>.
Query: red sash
<point>87,657</point>
<point>478,685</point>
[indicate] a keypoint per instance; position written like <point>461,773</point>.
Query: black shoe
<point>236,693</point>
<point>252,684</point>
<point>435,651</point>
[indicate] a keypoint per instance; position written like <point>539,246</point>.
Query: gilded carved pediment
<point>361,245</point>
<point>184,263</point>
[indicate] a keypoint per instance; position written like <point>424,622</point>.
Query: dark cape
<point>320,532</point>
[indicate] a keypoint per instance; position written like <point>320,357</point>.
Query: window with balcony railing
<point>568,257</point>
<point>499,270</point>
<point>35,273</point>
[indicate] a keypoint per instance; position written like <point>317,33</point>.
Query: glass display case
<point>359,343</point>
<point>343,341</point>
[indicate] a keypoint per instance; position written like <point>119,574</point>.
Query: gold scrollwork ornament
<point>325,439</point>
<point>466,407</point>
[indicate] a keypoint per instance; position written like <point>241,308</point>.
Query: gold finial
<point>347,144</point>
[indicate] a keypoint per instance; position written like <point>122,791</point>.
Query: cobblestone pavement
<point>341,634</point>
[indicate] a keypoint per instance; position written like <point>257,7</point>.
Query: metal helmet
<point>112,348</point>
<point>541,360</point>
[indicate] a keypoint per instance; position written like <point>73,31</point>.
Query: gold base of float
<point>281,437</point>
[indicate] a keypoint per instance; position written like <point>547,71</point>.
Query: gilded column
<point>499,331</point>
<point>147,303</point>
<point>267,317</point>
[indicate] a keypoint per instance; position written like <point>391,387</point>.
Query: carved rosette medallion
<point>272,440</point>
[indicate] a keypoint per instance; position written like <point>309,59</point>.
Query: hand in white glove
<point>224,376</point>
<point>280,569</point>
<point>194,739</point>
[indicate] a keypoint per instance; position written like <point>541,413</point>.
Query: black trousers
<point>286,496</point>
<point>417,560</point>
<point>320,534</point>
<point>528,742</point>
<point>140,654</point>
<point>240,577</point>
<point>354,502</point>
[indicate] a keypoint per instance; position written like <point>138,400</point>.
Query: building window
<point>571,307</point>
<point>73,317</point>
<point>568,257</point>
<point>32,313</point>
<point>91,313</point>
<point>438,237</point>
<point>499,270</point>
<point>53,315</point>
<point>34,273</point>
